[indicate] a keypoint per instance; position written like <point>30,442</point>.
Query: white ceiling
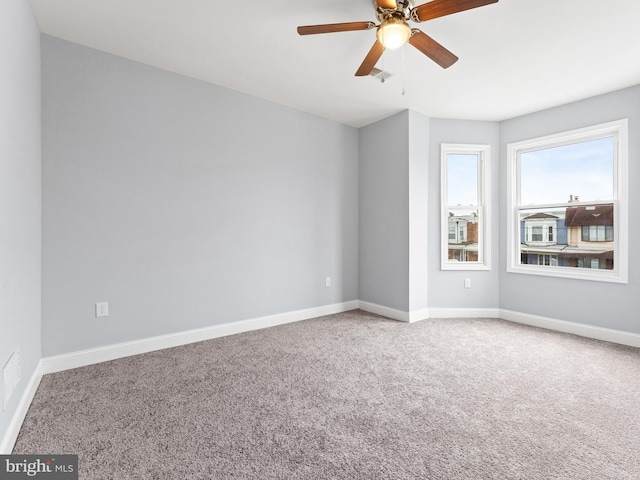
<point>516,56</point>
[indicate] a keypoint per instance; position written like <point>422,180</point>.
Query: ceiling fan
<point>394,31</point>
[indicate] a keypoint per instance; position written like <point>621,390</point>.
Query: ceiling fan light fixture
<point>393,33</point>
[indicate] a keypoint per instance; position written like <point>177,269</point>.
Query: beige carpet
<point>352,396</point>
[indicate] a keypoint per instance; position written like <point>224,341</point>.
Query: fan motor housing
<point>401,10</point>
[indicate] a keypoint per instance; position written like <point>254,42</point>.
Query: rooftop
<point>589,215</point>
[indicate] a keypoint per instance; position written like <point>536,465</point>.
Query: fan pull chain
<point>403,75</point>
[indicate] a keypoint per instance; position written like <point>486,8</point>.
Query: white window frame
<point>482,206</point>
<point>619,131</point>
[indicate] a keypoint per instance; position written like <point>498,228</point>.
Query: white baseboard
<point>583,330</point>
<point>464,313</point>
<point>111,352</point>
<point>11,435</point>
<point>417,315</point>
<point>388,312</point>
<point>590,331</point>
<point>82,358</point>
<point>425,313</point>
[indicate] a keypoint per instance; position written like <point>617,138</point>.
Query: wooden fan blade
<point>370,60</point>
<point>440,8</point>
<point>388,4</point>
<point>432,49</point>
<point>335,27</point>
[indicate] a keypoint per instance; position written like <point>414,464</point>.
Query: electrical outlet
<point>467,283</point>
<point>102,309</point>
<point>327,281</point>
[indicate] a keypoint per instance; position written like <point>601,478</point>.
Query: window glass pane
<point>462,179</point>
<point>463,235</point>
<point>609,233</point>
<point>536,235</point>
<point>573,229</point>
<point>557,175</point>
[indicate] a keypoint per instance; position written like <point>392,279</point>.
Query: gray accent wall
<point>20,217</point>
<point>183,204</point>
<point>594,303</point>
<point>383,253</point>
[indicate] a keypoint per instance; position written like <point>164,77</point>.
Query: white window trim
<point>617,128</point>
<point>483,207</point>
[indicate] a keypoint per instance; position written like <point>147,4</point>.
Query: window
<point>465,207</point>
<point>597,233</point>
<point>567,204</point>
<point>536,235</point>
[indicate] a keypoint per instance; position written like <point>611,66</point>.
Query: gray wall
<point>394,168</point>
<point>183,204</point>
<point>446,288</point>
<point>19,193</point>
<point>594,303</point>
<point>384,213</point>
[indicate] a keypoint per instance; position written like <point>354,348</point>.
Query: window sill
<point>464,266</point>
<point>576,273</point>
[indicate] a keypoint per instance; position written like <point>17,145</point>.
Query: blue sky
<point>462,179</point>
<point>548,176</point>
<point>582,169</point>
